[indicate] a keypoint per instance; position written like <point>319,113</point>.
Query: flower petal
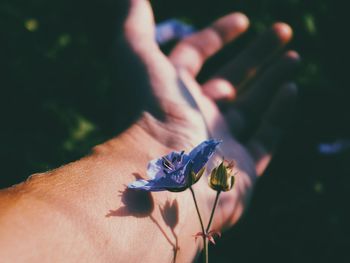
<point>202,153</point>
<point>173,172</point>
<point>174,181</point>
<point>155,185</point>
<point>155,168</point>
<point>140,184</point>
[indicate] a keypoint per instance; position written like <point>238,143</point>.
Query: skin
<point>83,212</point>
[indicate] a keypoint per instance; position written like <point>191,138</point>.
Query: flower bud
<point>222,177</point>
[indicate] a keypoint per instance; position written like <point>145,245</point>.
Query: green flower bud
<point>222,177</point>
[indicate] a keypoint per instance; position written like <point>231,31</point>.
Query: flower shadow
<point>136,203</point>
<point>170,215</point>
<point>141,204</point>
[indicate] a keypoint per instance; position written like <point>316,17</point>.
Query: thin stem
<point>206,250</point>
<point>213,210</point>
<point>205,247</point>
<point>197,209</point>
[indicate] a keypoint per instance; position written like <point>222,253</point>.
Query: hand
<point>87,199</point>
<point>183,112</point>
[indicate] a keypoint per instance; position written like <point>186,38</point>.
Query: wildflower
<point>177,171</point>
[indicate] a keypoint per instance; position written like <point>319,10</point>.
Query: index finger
<point>191,53</point>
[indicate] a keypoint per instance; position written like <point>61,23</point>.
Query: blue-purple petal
<point>160,184</point>
<point>174,180</point>
<point>202,153</point>
<point>155,168</point>
<point>140,184</point>
<point>173,171</point>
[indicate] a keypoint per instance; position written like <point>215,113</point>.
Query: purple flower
<point>177,171</point>
<point>172,29</point>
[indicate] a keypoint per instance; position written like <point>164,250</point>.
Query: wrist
<point>89,202</point>
<point>172,214</point>
<point>89,198</point>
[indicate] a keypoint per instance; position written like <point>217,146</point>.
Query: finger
<point>275,122</point>
<point>258,96</point>
<point>249,106</point>
<point>191,53</point>
<point>139,27</point>
<point>246,64</point>
<point>219,89</point>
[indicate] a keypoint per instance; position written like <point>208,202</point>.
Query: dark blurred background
<point>59,97</point>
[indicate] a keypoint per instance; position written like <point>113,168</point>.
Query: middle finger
<point>227,80</point>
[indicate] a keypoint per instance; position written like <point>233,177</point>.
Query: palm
<point>190,110</point>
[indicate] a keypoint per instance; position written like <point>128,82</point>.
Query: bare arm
<point>83,212</point>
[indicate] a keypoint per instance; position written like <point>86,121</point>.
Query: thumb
<point>139,26</point>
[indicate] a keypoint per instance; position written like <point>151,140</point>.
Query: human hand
<point>98,219</point>
<point>181,112</point>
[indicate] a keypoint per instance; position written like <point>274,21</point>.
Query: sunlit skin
<point>81,212</point>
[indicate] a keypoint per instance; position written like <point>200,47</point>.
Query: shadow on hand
<point>129,70</point>
<point>136,203</point>
<point>170,214</point>
<point>141,204</point>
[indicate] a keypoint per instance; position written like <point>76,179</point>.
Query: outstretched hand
<point>246,103</point>
<point>258,101</point>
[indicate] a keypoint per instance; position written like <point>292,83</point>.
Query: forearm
<point>83,212</point>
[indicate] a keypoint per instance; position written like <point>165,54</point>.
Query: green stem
<point>205,247</point>
<point>206,250</point>
<point>213,210</point>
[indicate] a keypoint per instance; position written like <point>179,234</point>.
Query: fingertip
<point>283,32</point>
<point>293,54</point>
<point>231,25</point>
<point>219,90</point>
<point>292,58</point>
<point>241,21</point>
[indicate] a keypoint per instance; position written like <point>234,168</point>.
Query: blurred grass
<point>60,96</point>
